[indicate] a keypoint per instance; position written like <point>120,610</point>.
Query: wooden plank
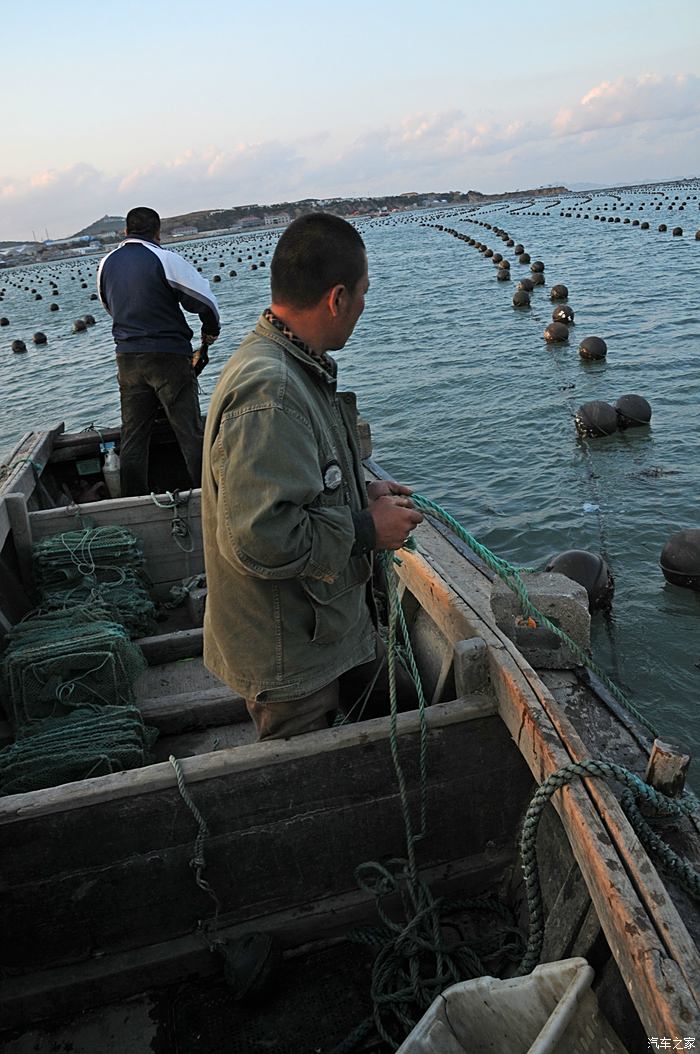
<point>644,930</point>
<point>189,711</point>
<point>65,893</point>
<point>34,997</point>
<point>169,647</point>
<point>4,524</point>
<point>18,516</point>
<point>23,480</point>
<point>18,807</point>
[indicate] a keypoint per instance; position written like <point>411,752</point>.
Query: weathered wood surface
<point>16,506</point>
<point>71,796</point>
<point>286,833</point>
<point>167,563</point>
<point>667,769</point>
<point>107,978</point>
<point>22,479</point>
<point>168,647</point>
<point>656,956</point>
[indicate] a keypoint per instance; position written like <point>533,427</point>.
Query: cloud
<point>630,100</point>
<point>617,129</point>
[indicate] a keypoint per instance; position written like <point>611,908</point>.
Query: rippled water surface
<point>469,404</point>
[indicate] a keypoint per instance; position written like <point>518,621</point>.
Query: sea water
<point>466,400</point>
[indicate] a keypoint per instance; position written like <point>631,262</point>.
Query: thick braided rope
<point>637,791</point>
<point>512,577</point>
<point>198,862</point>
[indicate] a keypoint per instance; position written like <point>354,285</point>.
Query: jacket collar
<point>266,329</point>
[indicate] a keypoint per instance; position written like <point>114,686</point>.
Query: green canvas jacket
<point>288,604</point>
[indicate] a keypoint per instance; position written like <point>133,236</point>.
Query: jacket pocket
<point>338,606</point>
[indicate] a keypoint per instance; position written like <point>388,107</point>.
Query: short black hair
<point>142,222</point>
<point>316,252</point>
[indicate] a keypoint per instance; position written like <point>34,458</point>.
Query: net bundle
<point>101,568</point>
<point>84,743</point>
<point>63,660</point>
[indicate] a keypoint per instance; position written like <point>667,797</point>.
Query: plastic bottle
<point>110,471</point>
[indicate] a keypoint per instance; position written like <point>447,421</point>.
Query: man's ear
<point>334,299</point>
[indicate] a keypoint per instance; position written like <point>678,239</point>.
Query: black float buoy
<point>503,274</point>
<point>518,249</point>
<point>593,348</point>
<point>556,333</point>
<point>633,411</point>
<point>524,258</point>
<point>216,278</point>
<point>558,292</point>
<point>588,569</point>
<point>53,307</point>
<point>232,274</point>
<point>537,267</point>
<point>527,284</point>
<point>563,314</point>
<point>596,418</point>
<point>39,338</point>
<point>89,320</point>
<point>521,298</point>
<point>680,559</point>
<point>677,232</point>
<point>18,346</point>
<point>663,228</point>
<point>80,325</point>
<point>4,321</point>
<point>537,278</point>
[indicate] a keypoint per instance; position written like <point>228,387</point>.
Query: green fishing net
<point>62,660</point>
<point>84,743</point>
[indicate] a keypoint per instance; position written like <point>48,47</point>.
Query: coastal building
<point>277,219</point>
<point>184,232</point>
<point>250,221</point>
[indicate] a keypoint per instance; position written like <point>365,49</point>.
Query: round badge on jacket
<point>332,476</point>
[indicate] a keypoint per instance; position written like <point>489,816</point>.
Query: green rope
<point>36,465</point>
<point>198,862</point>
<point>637,792</point>
<point>512,577</point>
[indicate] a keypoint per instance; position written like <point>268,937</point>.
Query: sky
<point>187,106</point>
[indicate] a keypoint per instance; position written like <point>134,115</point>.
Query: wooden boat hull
<point>101,901</point>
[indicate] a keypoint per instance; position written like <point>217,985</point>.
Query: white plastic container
<point>110,471</point>
<point>550,1011</point>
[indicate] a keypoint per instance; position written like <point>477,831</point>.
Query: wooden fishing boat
<point>53,467</point>
<point>103,933</point>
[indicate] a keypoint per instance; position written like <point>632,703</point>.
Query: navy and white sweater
<point>143,287</point>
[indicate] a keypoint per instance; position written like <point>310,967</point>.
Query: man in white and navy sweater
<point>144,287</point>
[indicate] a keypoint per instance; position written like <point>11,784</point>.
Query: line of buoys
<point>680,559</point>
<point>588,569</point>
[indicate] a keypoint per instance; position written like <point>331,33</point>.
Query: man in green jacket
<point>289,522</point>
